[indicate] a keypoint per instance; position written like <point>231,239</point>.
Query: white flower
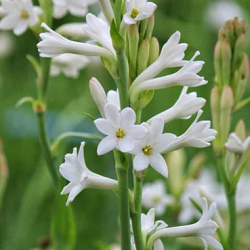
<point>100,97</point>
<point>172,55</point>
<point>148,150</point>
<point>198,135</point>
<point>80,177</point>
<point>74,7</point>
<point>53,44</point>
<point>205,228</point>
<point>207,181</point>
<point>7,44</point>
<point>99,31</point>
<point>154,196</point>
<point>69,64</point>
<point>120,129</point>
<point>138,10</point>
<point>107,10</point>
<point>236,145</point>
<point>19,15</point>
<point>184,108</point>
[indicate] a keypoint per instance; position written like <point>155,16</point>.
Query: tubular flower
<point>148,150</point>
<point>69,64</point>
<point>198,135</point>
<point>205,228</point>
<point>19,15</point>
<point>154,195</point>
<point>80,177</point>
<point>53,44</point>
<point>120,129</point>
<point>138,10</point>
<point>184,108</point>
<point>236,145</point>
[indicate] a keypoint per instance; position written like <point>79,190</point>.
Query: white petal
<point>128,117</point>
<point>9,22</point>
<point>73,193</point>
<point>126,144</point>
<point>158,245</point>
<point>141,162</point>
<point>213,242</point>
<point>138,131</point>
<point>112,114</point>
<point>106,145</point>
<point>157,127</point>
<point>159,164</point>
<point>128,19</point>
<point>21,27</point>
<point>104,126</point>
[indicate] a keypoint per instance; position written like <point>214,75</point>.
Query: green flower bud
<point>143,28</point>
<point>150,27</point>
<point>218,62</point>
<point>143,56</point>
<point>239,49</point>
<point>226,63</point>
<point>154,50</point>
<point>240,130</point>
<point>226,106</point>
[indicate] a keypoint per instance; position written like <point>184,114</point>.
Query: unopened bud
<point>143,55</point>
<point>226,106</point>
<point>154,50</point>
<point>239,49</point>
<point>107,10</point>
<point>240,130</point>
<point>133,39</point>
<point>143,28</point>
<point>218,62</point>
<point>226,63</point>
<point>73,30</point>
<point>150,27</point>
<point>195,165</point>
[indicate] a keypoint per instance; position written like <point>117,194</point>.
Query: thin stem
<point>122,165</point>
<point>45,62</point>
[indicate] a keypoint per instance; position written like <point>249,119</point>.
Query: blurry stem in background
<point>45,65</point>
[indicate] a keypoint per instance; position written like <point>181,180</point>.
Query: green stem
<point>136,217</point>
<point>46,147</point>
<point>45,62</point>
<point>122,165</point>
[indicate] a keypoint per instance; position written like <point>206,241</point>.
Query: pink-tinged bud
<point>218,62</point>
<point>154,50</point>
<point>150,27</point>
<point>240,130</point>
<point>143,55</point>
<point>3,173</point>
<point>226,106</point>
<point>226,63</point>
<point>240,47</point>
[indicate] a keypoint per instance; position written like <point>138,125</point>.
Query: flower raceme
<point>120,129</point>
<point>74,170</point>
<point>236,145</point>
<point>19,15</point>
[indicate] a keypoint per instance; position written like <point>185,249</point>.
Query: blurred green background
<point>28,201</point>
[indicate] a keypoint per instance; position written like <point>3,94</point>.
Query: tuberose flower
<point>53,44</point>
<point>19,15</point>
<point>184,108</point>
<point>148,150</point>
<point>236,145</point>
<point>205,228</point>
<point>154,196</point>
<point>69,64</point>
<point>80,177</point>
<point>120,129</point>
<point>138,10</point>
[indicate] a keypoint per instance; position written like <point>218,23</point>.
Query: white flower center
<point>24,14</point>
<point>120,133</point>
<point>134,13</point>
<point>147,150</point>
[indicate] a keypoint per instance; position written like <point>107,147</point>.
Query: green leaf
<point>63,231</point>
<point>242,104</point>
<point>25,100</point>
<point>89,115</point>
<point>35,64</point>
<point>196,205</point>
<point>117,39</point>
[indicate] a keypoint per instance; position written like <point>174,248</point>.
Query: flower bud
<point>150,27</point>
<point>226,63</point>
<point>73,30</point>
<point>107,10</point>
<point>154,50</point>
<point>218,62</point>
<point>226,106</point>
<point>143,28</point>
<point>143,55</point>
<point>240,46</point>
<point>240,130</point>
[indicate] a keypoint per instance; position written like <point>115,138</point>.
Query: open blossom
<point>148,150</point>
<point>154,196</point>
<point>205,228</point>
<point>53,44</point>
<point>69,64</point>
<point>120,129</point>
<point>184,108</point>
<point>138,10</point>
<point>100,97</point>
<point>19,15</point>
<point>236,145</point>
<point>74,7</point>
<point>80,177</point>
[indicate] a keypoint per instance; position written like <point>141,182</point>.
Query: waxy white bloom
<point>236,145</point>
<point>198,135</point>
<point>80,177</point>
<point>184,108</point>
<point>148,150</point>
<point>154,196</point>
<point>138,10</point>
<point>69,64</point>
<point>171,55</point>
<point>205,228</point>
<point>100,97</point>
<point>19,15</point>
<point>120,129</point>
<point>74,7</point>
<point>53,44</point>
